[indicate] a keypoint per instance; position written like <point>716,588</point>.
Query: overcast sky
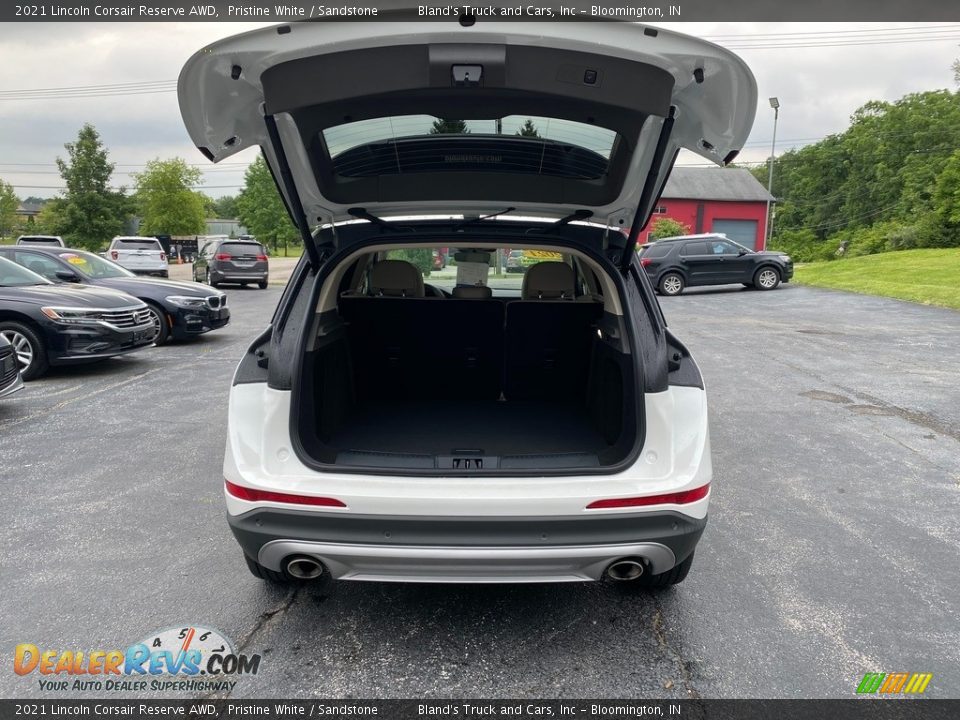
<point>818,87</point>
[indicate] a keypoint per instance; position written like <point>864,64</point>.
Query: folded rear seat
<point>418,348</point>
<point>549,337</point>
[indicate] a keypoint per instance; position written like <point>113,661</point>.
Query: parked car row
<point>62,306</point>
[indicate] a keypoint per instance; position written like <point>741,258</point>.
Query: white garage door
<point>740,231</point>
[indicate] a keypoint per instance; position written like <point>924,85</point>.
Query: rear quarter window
<point>695,248</point>
<point>656,251</point>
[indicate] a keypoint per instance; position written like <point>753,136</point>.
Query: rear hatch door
<point>404,118</point>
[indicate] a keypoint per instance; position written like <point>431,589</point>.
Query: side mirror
<point>742,252</point>
<point>67,276</point>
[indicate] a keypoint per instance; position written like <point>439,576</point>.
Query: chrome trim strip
<point>409,563</point>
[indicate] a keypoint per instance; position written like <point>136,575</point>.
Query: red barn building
<point>724,200</point>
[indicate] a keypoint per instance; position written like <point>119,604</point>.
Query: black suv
<point>675,263</point>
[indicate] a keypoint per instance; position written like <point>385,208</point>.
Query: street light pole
<point>775,104</point>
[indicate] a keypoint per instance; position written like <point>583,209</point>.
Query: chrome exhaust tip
<point>625,570</point>
<point>302,567</point>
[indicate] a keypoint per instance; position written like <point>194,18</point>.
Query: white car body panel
<point>225,115</point>
<point>138,259</point>
<point>675,457</point>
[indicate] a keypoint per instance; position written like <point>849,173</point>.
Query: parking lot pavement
<point>832,548</point>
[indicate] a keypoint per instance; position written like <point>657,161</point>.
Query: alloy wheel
<point>157,323</point>
<point>767,278</point>
<point>21,346</point>
<point>672,285</point>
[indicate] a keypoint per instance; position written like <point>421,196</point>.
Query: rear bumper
<point>229,276</point>
<point>464,549</point>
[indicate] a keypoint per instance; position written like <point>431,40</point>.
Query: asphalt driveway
<point>833,547</point>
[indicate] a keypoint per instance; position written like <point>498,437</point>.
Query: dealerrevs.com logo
<point>190,658</point>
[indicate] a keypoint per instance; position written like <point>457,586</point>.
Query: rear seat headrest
<point>396,278</point>
<point>473,292</point>
<point>548,281</point>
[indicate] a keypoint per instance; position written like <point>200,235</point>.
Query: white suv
<point>477,428</point>
<point>142,255</point>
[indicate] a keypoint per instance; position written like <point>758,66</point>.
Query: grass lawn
<point>931,277</point>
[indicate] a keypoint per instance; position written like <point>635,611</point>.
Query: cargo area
<point>467,385</point>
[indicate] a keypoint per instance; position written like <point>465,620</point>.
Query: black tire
<point>209,280</point>
<point>766,278</point>
<point>668,578</point>
<point>165,274</point>
<point>262,284</point>
<point>671,284</point>
<point>24,336</point>
<point>271,576</point>
<point>159,319</point>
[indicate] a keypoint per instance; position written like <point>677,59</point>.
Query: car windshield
<point>94,266</point>
<point>13,275</point>
<point>138,244</point>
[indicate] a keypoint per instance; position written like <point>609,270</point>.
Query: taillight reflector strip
<point>251,495</point>
<point>678,498</point>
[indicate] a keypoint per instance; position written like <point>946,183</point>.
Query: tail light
<point>645,261</point>
<point>114,254</point>
<point>251,495</point>
<point>163,256</point>
<point>262,258</point>
<point>678,498</point>
<point>222,256</point>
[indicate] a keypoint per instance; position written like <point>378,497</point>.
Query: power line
<point>762,41</point>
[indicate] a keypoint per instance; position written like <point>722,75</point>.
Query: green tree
<point>449,127</point>
<point>226,207</point>
<point>8,208</point>
<point>261,209</point>
<point>946,193</point>
<point>668,227</point>
<point>50,219</point>
<point>528,129</point>
<point>91,212</point>
<point>166,201</point>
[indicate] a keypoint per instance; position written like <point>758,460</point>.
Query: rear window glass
<point>500,269</point>
<point>425,143</point>
<point>138,244</point>
<point>242,249</point>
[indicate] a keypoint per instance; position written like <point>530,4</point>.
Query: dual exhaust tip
<point>625,569</point>
<point>304,567</point>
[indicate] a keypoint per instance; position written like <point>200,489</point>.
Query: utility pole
<point>775,104</point>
